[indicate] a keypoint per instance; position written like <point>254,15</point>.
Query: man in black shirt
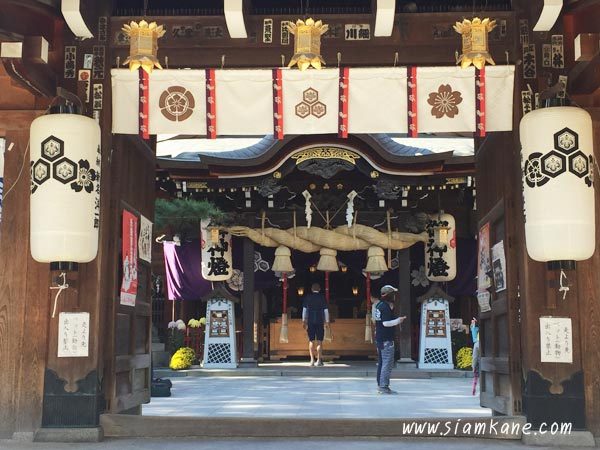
<point>314,315</point>
<point>385,325</point>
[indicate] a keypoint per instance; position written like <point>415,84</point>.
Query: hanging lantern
<point>300,291</point>
<point>327,261</point>
<point>354,290</point>
<point>558,192</point>
<point>216,254</point>
<point>65,188</point>
<point>307,43</point>
<point>475,42</point>
<point>440,248</point>
<point>376,263</point>
<point>143,47</point>
<point>283,260</point>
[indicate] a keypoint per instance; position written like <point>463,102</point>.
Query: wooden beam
<point>584,78</point>
<point>417,38</point>
<point>586,46</point>
<point>27,63</point>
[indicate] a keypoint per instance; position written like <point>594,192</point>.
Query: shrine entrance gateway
<point>42,391</point>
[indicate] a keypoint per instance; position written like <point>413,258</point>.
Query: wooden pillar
<point>248,304</point>
<point>404,304</point>
<point>588,280</point>
<point>23,290</point>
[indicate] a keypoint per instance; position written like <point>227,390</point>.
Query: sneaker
<point>386,390</point>
<point>320,363</point>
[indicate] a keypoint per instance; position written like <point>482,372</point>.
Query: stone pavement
<point>309,397</point>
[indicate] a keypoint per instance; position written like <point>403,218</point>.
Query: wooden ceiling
<point>279,7</point>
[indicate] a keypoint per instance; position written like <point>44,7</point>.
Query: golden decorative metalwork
<point>277,175</point>
<point>143,47</point>
<point>325,153</point>
<point>457,180</point>
<point>374,174</point>
<point>197,185</point>
<point>307,43</point>
<point>475,48</point>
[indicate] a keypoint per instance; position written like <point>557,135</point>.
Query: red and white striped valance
<point>343,101</point>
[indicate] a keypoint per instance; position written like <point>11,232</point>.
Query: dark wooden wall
<point>24,297</point>
<point>500,332</point>
<point>588,283</point>
<point>127,329</point>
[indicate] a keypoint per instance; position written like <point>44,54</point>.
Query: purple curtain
<point>184,270</point>
<point>184,273</point>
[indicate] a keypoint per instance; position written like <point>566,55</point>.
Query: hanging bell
<point>283,260</point>
<point>328,261</point>
<point>376,261</point>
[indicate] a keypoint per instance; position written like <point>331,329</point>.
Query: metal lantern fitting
<point>307,43</point>
<point>475,48</point>
<point>441,234</point>
<point>300,291</point>
<point>354,290</point>
<point>214,234</point>
<point>143,37</point>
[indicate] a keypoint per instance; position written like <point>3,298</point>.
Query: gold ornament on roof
<point>307,43</point>
<point>143,37</point>
<point>475,48</point>
<point>325,153</point>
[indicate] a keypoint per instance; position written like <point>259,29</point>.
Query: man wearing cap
<point>385,324</point>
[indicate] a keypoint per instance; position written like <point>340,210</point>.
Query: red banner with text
<point>129,254</point>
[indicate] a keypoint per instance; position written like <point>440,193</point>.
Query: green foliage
<point>464,358</point>
<point>182,359</point>
<point>183,216</point>
<point>175,341</point>
<point>459,340</point>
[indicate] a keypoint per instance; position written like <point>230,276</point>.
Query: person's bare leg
<point>310,351</point>
<point>319,352</point>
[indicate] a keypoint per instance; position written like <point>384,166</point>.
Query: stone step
<point>129,426</point>
<point>316,372</point>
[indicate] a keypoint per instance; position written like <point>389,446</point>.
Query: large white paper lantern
<point>440,248</point>
<point>217,262</point>
<point>65,188</point>
<point>558,192</point>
